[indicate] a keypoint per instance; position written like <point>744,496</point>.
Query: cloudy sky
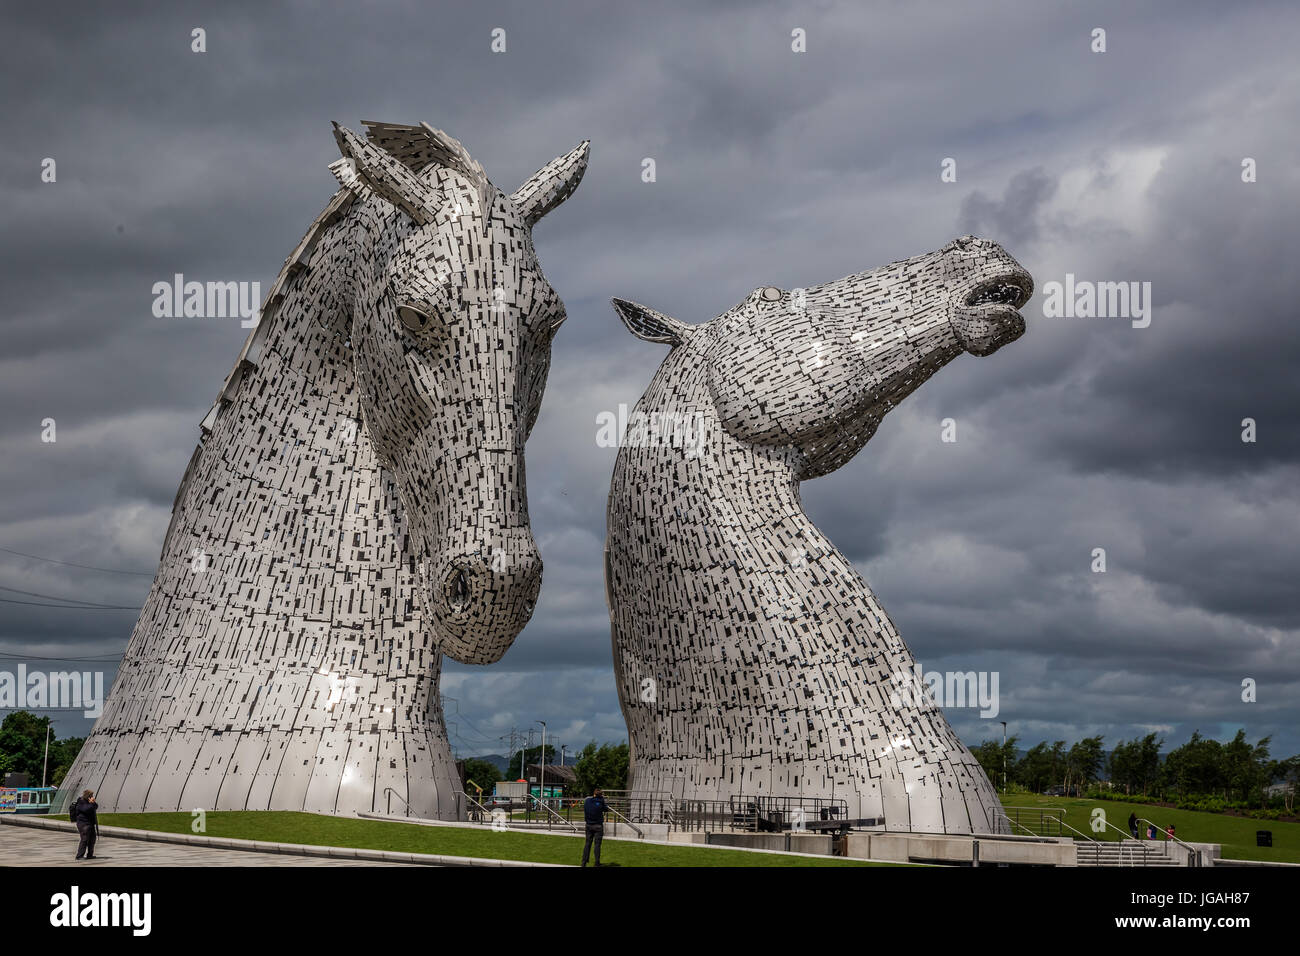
<point>773,168</point>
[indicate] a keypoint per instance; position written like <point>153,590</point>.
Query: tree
<point>531,755</point>
<point>1083,762</point>
<point>1135,765</point>
<point>1123,765</point>
<point>1034,770</point>
<point>604,766</point>
<point>22,744</point>
<point>1196,767</point>
<point>1289,771</point>
<point>1247,770</point>
<point>1148,761</point>
<point>1058,761</point>
<point>481,773</point>
<point>998,760</point>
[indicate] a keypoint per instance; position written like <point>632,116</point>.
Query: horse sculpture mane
<point>355,508</point>
<point>755,667</point>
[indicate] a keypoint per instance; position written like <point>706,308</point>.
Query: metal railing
<point>707,815</point>
<point>1092,844</point>
<point>1049,819</point>
<point>639,831</point>
<point>1193,855</point>
<point>780,813</point>
<point>553,815</point>
<point>642,806</point>
<point>390,793</point>
<point>480,813</point>
<point>1128,840</point>
<point>769,813</point>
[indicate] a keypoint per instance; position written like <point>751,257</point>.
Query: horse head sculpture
<point>452,329</point>
<point>356,508</point>
<point>752,660</point>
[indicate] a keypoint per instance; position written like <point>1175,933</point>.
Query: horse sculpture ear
<point>552,184</point>
<point>383,173</point>
<point>651,326</point>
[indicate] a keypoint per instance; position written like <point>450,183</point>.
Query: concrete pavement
<point>26,846</point>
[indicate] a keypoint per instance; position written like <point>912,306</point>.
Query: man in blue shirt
<point>593,811</point>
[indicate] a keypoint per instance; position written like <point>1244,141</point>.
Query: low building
<point>560,781</point>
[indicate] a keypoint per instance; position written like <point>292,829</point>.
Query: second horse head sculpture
<point>753,662</point>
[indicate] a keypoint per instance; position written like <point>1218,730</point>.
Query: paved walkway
<point>25,846</point>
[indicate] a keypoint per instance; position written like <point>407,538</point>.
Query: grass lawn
<point>1237,834</point>
<point>311,828</point>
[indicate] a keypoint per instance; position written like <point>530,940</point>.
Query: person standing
<point>85,815</point>
<point>593,812</point>
<point>1133,825</point>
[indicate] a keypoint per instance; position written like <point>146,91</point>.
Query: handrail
<point>650,806</point>
<point>482,809</point>
<point>1193,855</point>
<point>1061,820</point>
<point>1017,823</point>
<point>390,790</point>
<point>639,831</point>
<point>1126,838</point>
<point>542,804</point>
<point>1056,814</point>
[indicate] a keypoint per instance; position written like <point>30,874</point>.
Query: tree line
<point>596,765</point>
<point>1235,773</point>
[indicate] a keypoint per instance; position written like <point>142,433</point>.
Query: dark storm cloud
<point>772,168</point>
<point>1013,218</point>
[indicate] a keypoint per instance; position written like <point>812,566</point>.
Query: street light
<point>1004,756</point>
<point>541,786</point>
<point>46,766</point>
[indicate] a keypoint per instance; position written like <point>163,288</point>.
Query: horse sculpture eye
<point>414,320</point>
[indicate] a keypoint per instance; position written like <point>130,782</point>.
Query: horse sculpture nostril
<point>459,592</point>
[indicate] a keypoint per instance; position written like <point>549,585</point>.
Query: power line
<point>73,564</point>
<point>102,659</point>
<point>52,597</point>
<point>76,607</point>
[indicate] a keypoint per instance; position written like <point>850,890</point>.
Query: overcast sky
<point>773,168</point>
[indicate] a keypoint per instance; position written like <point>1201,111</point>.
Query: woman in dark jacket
<point>84,815</point>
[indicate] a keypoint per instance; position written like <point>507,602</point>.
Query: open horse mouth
<point>988,317</point>
<point>1009,289</point>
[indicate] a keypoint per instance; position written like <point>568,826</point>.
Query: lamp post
<point>46,765</point>
<point>541,786</point>
<point>1004,756</point>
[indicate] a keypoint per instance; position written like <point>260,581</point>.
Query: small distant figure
<point>1151,831</point>
<point>1169,833</point>
<point>84,815</point>
<point>593,811</point>
<point>1133,825</point>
